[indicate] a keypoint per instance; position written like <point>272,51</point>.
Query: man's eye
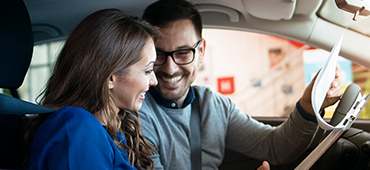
<point>183,52</point>
<point>160,54</point>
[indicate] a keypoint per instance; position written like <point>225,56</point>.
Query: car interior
<point>27,23</point>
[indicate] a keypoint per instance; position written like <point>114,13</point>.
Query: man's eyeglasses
<point>180,57</point>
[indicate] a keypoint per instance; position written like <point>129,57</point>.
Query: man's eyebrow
<point>184,46</point>
<point>158,49</point>
<point>177,48</point>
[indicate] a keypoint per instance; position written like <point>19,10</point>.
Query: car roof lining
<point>230,14</point>
<point>311,31</point>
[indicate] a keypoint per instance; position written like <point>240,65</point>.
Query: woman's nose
<point>153,81</point>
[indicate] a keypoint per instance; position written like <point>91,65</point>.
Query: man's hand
<point>332,96</point>
<point>265,166</point>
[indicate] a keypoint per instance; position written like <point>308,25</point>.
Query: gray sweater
<point>223,126</point>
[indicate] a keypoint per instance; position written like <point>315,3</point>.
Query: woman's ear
<point>111,82</point>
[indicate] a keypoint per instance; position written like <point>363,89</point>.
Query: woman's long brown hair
<point>104,43</point>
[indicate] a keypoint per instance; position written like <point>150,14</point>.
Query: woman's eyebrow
<point>149,63</point>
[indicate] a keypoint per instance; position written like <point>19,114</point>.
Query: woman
<point>104,69</point>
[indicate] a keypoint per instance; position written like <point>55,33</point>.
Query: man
<point>166,112</point>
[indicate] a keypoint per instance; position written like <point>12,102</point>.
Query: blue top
<point>72,138</point>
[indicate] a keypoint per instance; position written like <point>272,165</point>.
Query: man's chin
<point>169,93</point>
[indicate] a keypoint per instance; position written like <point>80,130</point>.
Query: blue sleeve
<point>75,140</point>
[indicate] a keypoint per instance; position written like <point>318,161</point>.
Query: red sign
<point>225,85</point>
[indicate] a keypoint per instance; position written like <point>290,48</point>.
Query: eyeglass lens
<point>179,56</point>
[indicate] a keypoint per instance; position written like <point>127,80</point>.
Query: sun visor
<point>270,9</point>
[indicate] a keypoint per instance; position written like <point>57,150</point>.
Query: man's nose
<point>170,66</point>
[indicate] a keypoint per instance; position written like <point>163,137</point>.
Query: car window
<point>264,75</point>
<point>43,58</point>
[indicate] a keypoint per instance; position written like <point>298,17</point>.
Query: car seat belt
<point>195,136</point>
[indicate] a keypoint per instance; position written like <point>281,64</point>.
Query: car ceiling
<point>318,23</point>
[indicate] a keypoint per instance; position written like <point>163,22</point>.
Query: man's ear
<point>202,50</point>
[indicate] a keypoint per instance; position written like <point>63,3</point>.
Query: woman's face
<point>128,90</point>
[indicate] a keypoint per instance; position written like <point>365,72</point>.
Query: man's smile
<point>172,79</point>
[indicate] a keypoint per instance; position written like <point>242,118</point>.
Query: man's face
<point>174,80</point>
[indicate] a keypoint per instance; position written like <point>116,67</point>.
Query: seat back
<point>16,49</point>
<point>16,43</point>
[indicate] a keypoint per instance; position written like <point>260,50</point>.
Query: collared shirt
<point>191,95</point>
<point>172,104</point>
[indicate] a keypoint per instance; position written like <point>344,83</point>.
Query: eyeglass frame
<point>170,53</point>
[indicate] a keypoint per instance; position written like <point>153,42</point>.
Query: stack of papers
<point>319,91</point>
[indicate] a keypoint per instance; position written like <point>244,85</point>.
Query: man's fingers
<point>265,166</point>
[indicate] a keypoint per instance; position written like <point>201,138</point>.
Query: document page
<point>323,84</point>
<point>320,88</point>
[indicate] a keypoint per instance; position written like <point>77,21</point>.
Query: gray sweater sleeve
<point>150,131</point>
<point>223,125</point>
<point>277,145</point>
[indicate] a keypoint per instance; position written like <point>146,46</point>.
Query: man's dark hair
<point>162,12</point>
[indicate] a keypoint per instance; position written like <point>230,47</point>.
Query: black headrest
<point>16,43</point>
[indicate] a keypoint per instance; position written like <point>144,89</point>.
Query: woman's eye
<point>149,71</point>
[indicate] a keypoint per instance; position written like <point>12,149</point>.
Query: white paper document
<point>323,84</point>
<point>319,91</point>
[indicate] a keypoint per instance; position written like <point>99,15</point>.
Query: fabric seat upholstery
<point>16,49</point>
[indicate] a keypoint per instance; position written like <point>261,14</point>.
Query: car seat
<point>15,56</point>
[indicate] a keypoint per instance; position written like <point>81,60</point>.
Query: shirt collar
<point>171,104</point>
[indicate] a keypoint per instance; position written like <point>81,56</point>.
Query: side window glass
<point>266,75</point>
<point>41,66</point>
